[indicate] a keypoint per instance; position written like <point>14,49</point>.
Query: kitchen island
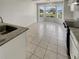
<point>14,45</point>
<point>74,43</point>
<point>73,38</point>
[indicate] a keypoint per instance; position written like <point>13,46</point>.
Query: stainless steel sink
<point>5,29</point>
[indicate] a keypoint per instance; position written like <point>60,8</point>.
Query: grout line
<point>30,56</point>
<point>52,51</point>
<point>34,55</point>
<point>35,50</point>
<point>37,45</point>
<point>57,50</point>
<point>45,52</point>
<point>37,56</point>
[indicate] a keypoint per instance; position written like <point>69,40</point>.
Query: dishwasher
<point>67,38</point>
<point>68,41</point>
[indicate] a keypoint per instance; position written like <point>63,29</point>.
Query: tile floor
<point>46,41</point>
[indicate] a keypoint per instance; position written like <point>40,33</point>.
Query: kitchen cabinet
<point>74,53</point>
<point>70,2</point>
<point>73,5</point>
<point>15,48</point>
<point>76,7</point>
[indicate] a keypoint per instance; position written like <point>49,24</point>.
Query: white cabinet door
<point>14,49</point>
<point>73,49</point>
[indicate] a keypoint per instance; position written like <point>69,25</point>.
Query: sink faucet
<point>1,19</point>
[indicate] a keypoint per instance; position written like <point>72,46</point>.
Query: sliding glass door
<point>49,12</point>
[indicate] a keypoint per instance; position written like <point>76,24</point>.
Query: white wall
<point>76,15</point>
<point>18,12</point>
<point>76,12</point>
<point>67,13</point>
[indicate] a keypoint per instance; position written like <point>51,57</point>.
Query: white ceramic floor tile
<point>61,57</point>
<point>52,48</point>
<point>53,42</point>
<point>50,55</point>
<point>30,47</point>
<point>29,39</point>
<point>40,52</point>
<point>35,41</point>
<point>28,55</point>
<point>62,51</point>
<point>43,44</point>
<point>46,40</point>
<point>34,57</point>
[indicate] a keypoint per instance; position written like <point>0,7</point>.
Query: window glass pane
<point>41,11</point>
<point>59,10</point>
<point>50,11</point>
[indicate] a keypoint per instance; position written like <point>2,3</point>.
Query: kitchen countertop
<point>74,27</point>
<point>75,32</point>
<point>12,34</point>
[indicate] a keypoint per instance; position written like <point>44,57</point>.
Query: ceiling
<point>43,1</point>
